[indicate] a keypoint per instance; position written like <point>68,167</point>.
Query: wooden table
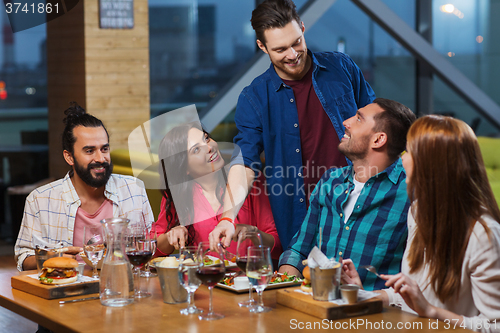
<point>152,315</point>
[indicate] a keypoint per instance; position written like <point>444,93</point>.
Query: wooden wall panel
<point>104,70</point>
<point>66,78</point>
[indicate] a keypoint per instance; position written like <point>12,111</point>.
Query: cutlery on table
<point>371,269</point>
<point>79,300</point>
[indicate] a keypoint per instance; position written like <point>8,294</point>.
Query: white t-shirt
<point>353,197</point>
<point>479,293</point>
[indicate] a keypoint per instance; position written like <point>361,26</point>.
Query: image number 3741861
<point>31,13</point>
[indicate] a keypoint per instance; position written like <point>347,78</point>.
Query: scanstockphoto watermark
<point>295,185</point>
<point>310,170</point>
<point>364,325</point>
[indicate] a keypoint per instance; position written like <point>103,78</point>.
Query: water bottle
<point>116,284</point>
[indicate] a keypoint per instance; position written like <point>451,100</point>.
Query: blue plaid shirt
<point>375,233</point>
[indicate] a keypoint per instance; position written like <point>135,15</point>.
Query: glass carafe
<point>116,284</point>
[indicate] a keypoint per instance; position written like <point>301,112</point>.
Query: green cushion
<point>141,160</point>
<point>490,149</point>
<point>121,165</point>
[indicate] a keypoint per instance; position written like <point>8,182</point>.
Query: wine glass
<point>138,249</point>
<point>187,275</point>
<point>210,273</point>
<point>93,246</point>
<point>154,240</point>
<point>259,272</point>
<point>245,240</point>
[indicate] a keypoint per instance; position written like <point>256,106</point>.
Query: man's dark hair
<point>395,121</point>
<point>77,116</point>
<point>273,14</point>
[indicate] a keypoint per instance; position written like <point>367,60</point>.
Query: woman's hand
<point>411,293</point>
<point>177,236</point>
<point>349,274</point>
<point>223,233</point>
<point>243,229</point>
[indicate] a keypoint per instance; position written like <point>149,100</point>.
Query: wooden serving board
<point>326,310</point>
<point>35,287</point>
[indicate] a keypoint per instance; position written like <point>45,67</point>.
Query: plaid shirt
<point>375,233</point>
<point>50,211</point>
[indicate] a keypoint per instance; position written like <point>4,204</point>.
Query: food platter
<point>227,263</point>
<point>272,285</point>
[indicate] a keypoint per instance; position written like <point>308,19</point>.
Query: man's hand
<point>222,233</point>
<point>290,270</point>
<point>177,236</point>
<point>349,275</point>
<point>73,250</point>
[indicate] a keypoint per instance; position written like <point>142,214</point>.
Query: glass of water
<point>259,272</point>
<point>187,275</point>
<point>93,245</point>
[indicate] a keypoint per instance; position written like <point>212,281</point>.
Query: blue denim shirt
<point>267,120</point>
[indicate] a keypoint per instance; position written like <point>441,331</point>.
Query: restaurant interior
<point>435,56</point>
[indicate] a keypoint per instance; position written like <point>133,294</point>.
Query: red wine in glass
<point>139,258</point>
<point>242,264</point>
<point>210,276</point>
<point>210,273</point>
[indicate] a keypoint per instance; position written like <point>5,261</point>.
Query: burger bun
<point>306,273</point>
<point>60,281</point>
<point>306,288</point>
<point>60,262</point>
<point>306,284</point>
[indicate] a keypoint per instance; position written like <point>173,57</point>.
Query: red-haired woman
<point>451,266</point>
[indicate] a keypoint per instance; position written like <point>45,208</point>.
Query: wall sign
<point>116,14</point>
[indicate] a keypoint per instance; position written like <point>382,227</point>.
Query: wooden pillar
<point>106,71</point>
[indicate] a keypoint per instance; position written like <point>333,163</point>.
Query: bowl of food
<point>153,262</point>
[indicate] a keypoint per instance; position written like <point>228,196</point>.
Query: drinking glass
<point>93,246</point>
<point>138,249</point>
<point>259,272</point>
<point>154,240</point>
<point>246,239</point>
<point>187,275</point>
<point>210,273</point>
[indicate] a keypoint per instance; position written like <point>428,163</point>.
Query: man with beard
<point>361,209</point>
<point>293,113</point>
<point>58,212</point>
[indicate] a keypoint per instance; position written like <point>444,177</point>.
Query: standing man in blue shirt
<point>361,210</point>
<point>294,113</point>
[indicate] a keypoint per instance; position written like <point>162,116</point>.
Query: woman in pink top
<point>191,163</point>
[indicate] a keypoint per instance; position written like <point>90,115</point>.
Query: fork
<point>371,269</point>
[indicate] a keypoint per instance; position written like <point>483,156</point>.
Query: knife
<point>79,300</point>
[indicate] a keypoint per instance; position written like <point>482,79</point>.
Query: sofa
<point>148,173</point>
<point>490,149</point>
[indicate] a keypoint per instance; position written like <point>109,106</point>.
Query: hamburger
<point>306,284</point>
<point>59,270</point>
